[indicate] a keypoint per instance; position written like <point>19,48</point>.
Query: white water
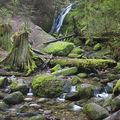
<point>62,98</point>
<point>59,20</point>
<point>76,108</point>
<point>30,92</point>
<point>73,89</point>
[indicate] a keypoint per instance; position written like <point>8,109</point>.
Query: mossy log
<point>84,63</point>
<point>21,57</point>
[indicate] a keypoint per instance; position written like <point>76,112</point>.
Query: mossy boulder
<point>115,103</point>
<point>75,80</point>
<point>14,98</point>
<point>16,86</point>
<point>85,90</point>
<point>59,48</point>
<point>3,82</point>
<point>116,89</point>
<point>56,68</point>
<point>97,47</point>
<point>3,106</point>
<point>95,111</point>
<point>82,75</point>
<point>66,71</point>
<point>47,85</point>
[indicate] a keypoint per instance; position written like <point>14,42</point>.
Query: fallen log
<point>100,39</point>
<point>84,63</point>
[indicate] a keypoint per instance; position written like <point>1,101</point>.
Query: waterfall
<point>60,18</point>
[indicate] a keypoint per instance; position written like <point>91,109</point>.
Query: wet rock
<point>1,95</point>
<point>59,48</point>
<point>28,99</point>
<point>47,112</point>
<point>47,85</point>
<point>114,116</point>
<point>3,82</point>
<point>115,103</point>
<point>73,96</point>
<point>85,90</point>
<point>3,106</point>
<point>66,71</point>
<point>19,86</point>
<point>116,89</point>
<point>95,111</point>
<point>42,100</point>
<point>14,98</point>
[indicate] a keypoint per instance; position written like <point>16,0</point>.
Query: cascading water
<point>60,18</point>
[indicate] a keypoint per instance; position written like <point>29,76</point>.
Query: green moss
<point>5,35</point>
<point>84,63</point>
<point>76,80</point>
<point>97,47</point>
<point>85,90</point>
<point>15,86</point>
<point>116,89</point>
<point>3,81</point>
<point>59,48</point>
<point>82,75</point>
<point>66,71</point>
<point>56,68</point>
<point>77,50</point>
<point>47,85</point>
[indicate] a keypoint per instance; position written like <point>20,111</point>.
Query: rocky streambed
<point>72,86</point>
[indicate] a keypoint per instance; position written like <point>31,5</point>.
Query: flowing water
<point>60,18</point>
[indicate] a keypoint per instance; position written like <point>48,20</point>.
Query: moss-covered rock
<point>82,75</point>
<point>95,111</point>
<point>3,82</point>
<point>77,50</point>
<point>14,98</point>
<point>115,103</point>
<point>47,85</point>
<point>84,63</point>
<point>56,68</point>
<point>75,80</point>
<point>3,106</point>
<point>116,89</point>
<point>38,117</point>
<point>66,71</point>
<point>97,47</point>
<point>85,90</point>
<point>59,48</point>
<point>16,86</point>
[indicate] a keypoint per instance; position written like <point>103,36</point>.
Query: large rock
<point>115,103</point>
<point>85,90</point>
<point>3,106</point>
<point>47,85</point>
<point>19,86</point>
<point>95,111</point>
<point>14,98</point>
<point>59,48</point>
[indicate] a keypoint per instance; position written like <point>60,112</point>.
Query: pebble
<point>35,105</point>
<point>28,99</point>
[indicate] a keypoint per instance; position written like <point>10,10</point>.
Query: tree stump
<point>21,57</point>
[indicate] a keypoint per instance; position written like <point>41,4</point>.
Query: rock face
<point>95,112</point>
<point>47,85</point>
<point>14,98</point>
<point>59,48</point>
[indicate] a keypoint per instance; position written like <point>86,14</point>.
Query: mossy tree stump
<point>21,57</point>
